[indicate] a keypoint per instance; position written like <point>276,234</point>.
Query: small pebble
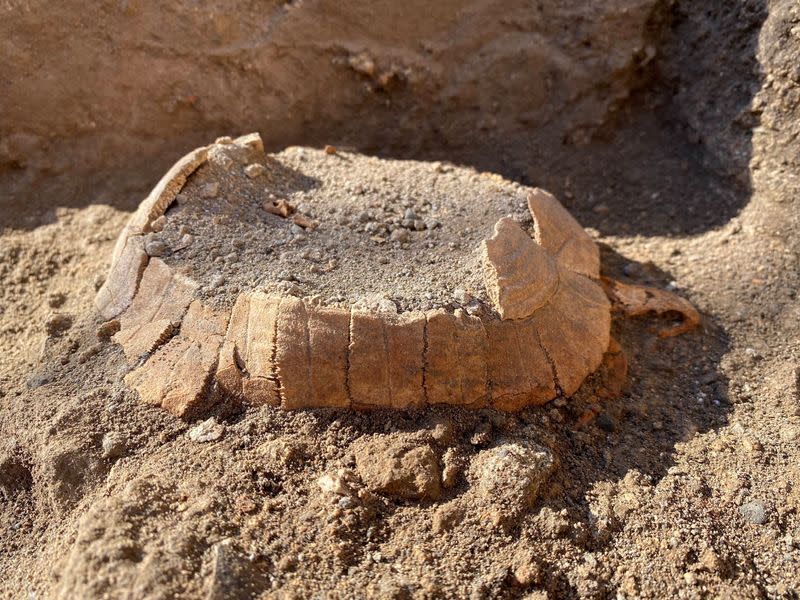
<point>187,239</point>
<point>753,354</point>
<point>158,224</point>
<point>482,434</point>
<point>474,308</point>
<point>155,247</point>
<point>207,431</point>
<point>373,227</point>
<point>210,190</point>
<point>399,235</point>
<point>113,445</point>
<point>254,170</point>
<point>605,423</point>
<point>347,502</point>
<point>754,512</point>
<point>337,484</point>
<point>432,223</point>
<point>461,296</point>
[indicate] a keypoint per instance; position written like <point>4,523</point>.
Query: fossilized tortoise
<point>542,327</point>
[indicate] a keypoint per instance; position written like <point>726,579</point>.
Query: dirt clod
<point>509,477</point>
<point>114,445</point>
<point>58,323</point>
<point>399,467</point>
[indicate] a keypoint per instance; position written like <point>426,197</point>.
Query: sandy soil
<point>685,486</point>
<point>404,231</point>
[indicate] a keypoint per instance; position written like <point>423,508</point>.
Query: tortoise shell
<point>543,327</point>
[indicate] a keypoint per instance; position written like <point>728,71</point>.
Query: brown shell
<point>549,332</point>
<point>558,233</point>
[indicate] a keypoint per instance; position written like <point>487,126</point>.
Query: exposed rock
<point>210,190</point>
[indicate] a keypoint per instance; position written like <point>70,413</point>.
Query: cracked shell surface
<point>400,285</point>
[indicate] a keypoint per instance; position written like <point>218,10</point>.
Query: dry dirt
<point>405,232</point>
<point>670,128</point>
